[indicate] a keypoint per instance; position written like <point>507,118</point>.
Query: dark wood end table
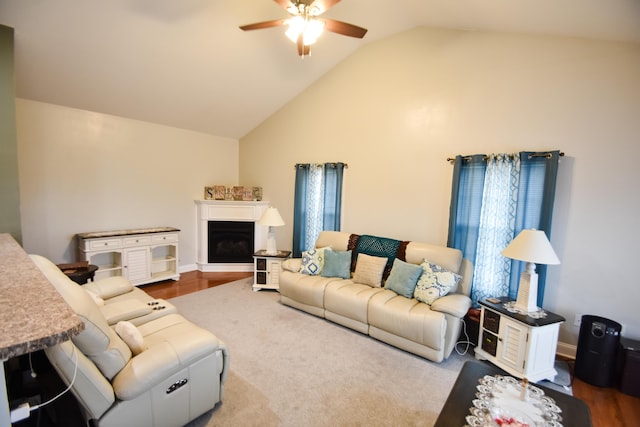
<point>80,274</point>
<point>574,411</point>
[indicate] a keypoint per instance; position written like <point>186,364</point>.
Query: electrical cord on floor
<point>467,341</point>
<point>23,411</point>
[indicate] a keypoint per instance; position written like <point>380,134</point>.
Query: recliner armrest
<point>163,359</point>
<point>292,264</point>
<point>454,304</point>
<point>109,287</point>
<point>124,310</point>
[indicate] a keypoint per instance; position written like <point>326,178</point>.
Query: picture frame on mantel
<point>237,193</point>
<point>219,192</point>
<point>209,193</point>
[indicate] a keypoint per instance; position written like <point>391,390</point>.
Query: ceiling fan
<point>305,26</point>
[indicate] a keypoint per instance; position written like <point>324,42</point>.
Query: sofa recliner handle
<point>173,387</point>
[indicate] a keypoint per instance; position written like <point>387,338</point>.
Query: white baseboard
<point>566,350</point>
<point>187,268</point>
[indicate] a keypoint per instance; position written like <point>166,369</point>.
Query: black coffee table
<point>574,411</point>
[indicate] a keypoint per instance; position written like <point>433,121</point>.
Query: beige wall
<point>82,171</point>
<point>9,180</point>
<point>397,108</point>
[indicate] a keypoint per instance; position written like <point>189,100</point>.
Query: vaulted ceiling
<point>185,63</point>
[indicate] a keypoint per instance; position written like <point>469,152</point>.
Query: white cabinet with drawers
<point>522,345</point>
<point>142,255</point>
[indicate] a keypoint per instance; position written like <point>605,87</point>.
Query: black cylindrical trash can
<point>596,356</point>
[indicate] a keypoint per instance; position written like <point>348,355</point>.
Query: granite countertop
<point>97,234</point>
<point>33,315</point>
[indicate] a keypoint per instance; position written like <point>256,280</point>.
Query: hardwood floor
<point>608,406</point>
<point>192,281</point>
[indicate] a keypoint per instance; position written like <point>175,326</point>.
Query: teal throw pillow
<point>336,264</point>
<point>403,278</point>
<point>435,282</point>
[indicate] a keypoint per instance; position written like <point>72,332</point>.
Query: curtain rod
<point>547,155</point>
<point>346,165</point>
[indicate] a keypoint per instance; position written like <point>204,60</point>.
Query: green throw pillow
<point>336,264</point>
<point>403,278</point>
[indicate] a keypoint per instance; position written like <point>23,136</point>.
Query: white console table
<point>143,255</point>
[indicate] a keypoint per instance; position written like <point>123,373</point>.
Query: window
<point>317,203</point>
<point>494,198</point>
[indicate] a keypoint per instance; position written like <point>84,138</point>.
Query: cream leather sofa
<point>178,374</point>
<point>428,331</point>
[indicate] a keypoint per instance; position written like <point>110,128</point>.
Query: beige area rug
<point>289,368</point>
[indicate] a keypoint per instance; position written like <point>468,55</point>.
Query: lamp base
<point>271,243</point>
<point>528,291</point>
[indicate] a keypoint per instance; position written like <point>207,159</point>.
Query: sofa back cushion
<point>337,240</point>
<point>97,341</point>
<point>415,253</point>
<point>448,258</point>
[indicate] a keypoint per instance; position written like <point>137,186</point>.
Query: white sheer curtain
<point>497,224</point>
<point>315,205</point>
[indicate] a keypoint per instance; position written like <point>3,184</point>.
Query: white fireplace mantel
<point>228,210</point>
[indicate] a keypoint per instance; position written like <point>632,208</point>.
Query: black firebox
<point>230,241</point>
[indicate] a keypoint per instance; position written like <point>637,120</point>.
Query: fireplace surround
<point>232,244</point>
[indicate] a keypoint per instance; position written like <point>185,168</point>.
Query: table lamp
<point>533,247</point>
<point>271,218</point>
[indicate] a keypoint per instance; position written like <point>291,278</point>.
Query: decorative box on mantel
<point>228,235</point>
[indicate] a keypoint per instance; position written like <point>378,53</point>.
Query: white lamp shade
<point>531,246</point>
<point>271,218</point>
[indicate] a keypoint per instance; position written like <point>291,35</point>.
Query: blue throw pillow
<point>336,264</point>
<point>403,278</point>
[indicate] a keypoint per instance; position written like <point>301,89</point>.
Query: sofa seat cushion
<point>349,299</point>
<point>305,289</point>
<point>407,318</point>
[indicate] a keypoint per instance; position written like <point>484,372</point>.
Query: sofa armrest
<point>454,304</point>
<point>109,287</point>
<point>292,264</point>
<point>159,362</point>
<point>124,310</point>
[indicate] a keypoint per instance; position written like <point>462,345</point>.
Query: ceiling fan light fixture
<point>310,28</point>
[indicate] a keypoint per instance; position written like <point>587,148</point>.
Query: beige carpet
<point>289,368</point>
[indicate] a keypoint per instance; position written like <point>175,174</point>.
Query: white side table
<point>522,345</point>
<point>266,269</point>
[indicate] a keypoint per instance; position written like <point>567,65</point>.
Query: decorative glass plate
<point>506,401</point>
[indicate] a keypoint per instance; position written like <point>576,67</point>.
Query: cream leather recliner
<point>179,374</point>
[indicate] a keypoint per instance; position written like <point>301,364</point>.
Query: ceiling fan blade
<point>265,24</point>
<point>285,4</point>
<point>343,28</point>
<point>322,5</point>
